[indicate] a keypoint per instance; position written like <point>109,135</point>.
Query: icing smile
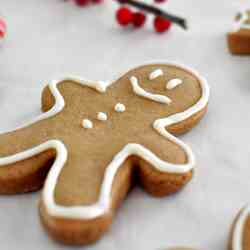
<point>143,93</point>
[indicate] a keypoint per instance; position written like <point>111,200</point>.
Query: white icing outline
<point>156,73</point>
<point>173,83</point>
<point>240,24</point>
<point>239,229</point>
<point>143,93</point>
<point>103,204</point>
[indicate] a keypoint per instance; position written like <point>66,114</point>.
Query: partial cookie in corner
<point>240,231</point>
<point>239,38</point>
<point>94,138</point>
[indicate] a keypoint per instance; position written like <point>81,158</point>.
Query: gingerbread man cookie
<point>239,37</point>
<point>95,140</point>
<point>240,232</point>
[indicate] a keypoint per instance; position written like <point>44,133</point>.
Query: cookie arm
<point>24,162</point>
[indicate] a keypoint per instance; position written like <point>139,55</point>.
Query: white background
<point>50,38</point>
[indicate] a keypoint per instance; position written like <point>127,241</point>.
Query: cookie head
<point>158,91</point>
<point>141,96</point>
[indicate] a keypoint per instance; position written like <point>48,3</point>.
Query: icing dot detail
<point>119,107</point>
<point>101,116</point>
<point>173,83</point>
<point>87,124</point>
<point>156,73</point>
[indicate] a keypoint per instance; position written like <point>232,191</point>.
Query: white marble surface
<point>48,38</point>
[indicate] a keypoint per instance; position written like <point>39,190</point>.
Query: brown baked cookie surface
<point>96,139</point>
<point>239,38</point>
<point>240,231</point>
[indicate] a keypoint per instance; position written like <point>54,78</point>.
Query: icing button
<point>119,107</point>
<point>101,116</point>
<point>87,124</point>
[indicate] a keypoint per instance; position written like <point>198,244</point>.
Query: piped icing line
<point>51,144</point>
<point>237,238</point>
<point>100,86</point>
<point>156,73</point>
<point>143,93</point>
<point>162,123</point>
<point>240,24</point>
<point>171,84</point>
<point>103,204</point>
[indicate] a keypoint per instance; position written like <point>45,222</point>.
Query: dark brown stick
<point>156,11</point>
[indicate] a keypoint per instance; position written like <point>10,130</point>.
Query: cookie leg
<point>87,193</point>
<point>74,232</point>
<point>80,231</point>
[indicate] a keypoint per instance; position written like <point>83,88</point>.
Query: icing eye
<point>156,73</point>
<point>173,83</point>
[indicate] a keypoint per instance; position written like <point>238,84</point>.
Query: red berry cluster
<point>87,2</point>
<point>125,16</point>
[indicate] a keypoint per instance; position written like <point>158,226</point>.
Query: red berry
<point>160,1</point>
<point>124,16</point>
<point>2,28</point>
<point>82,2</point>
<point>161,24</point>
<point>139,19</point>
